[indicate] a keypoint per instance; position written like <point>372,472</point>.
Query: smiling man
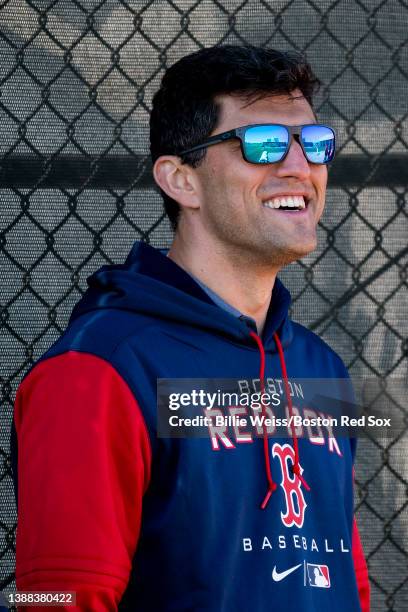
<point>238,519</point>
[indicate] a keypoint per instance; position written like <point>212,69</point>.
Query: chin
<point>305,252</point>
<point>294,253</point>
<point>304,248</point>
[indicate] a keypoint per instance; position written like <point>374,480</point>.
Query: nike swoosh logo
<point>277,576</point>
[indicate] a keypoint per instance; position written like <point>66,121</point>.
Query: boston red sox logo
<point>291,485</point>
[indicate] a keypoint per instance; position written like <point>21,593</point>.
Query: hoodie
<point>133,520</point>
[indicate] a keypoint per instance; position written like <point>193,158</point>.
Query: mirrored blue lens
<point>265,143</point>
<point>318,143</point>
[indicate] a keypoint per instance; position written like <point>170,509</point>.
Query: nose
<point>295,163</point>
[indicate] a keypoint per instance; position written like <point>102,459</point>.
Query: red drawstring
<point>296,467</point>
<point>271,484</point>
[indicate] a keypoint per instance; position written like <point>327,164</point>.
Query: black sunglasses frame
<point>239,133</point>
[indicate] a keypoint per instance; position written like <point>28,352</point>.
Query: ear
<point>177,180</point>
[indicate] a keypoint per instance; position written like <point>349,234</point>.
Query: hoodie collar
<point>224,305</point>
<point>153,284</point>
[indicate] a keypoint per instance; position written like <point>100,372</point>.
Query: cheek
<point>229,179</point>
<point>226,182</point>
<point>320,180</point>
<point>320,183</point>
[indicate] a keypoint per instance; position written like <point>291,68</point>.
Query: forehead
<point>290,109</point>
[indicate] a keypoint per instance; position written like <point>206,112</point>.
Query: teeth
<point>291,201</point>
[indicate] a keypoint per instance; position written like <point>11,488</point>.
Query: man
<point>232,521</point>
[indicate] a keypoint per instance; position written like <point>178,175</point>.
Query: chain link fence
<point>76,82</point>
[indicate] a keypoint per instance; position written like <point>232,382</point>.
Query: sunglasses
<point>269,143</point>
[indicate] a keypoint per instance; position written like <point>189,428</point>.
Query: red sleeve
<point>83,465</point>
<point>360,568</point>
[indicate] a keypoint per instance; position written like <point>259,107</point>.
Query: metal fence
<point>76,82</point>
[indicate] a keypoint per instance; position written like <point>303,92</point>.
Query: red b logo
<point>291,485</point>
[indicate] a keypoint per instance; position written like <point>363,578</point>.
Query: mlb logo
<point>318,575</point>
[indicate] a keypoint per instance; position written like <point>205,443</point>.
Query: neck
<point>238,280</point>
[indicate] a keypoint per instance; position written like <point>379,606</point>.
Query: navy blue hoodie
<point>133,521</point>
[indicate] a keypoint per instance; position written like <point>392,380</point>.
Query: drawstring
<point>296,466</point>
<point>271,483</point>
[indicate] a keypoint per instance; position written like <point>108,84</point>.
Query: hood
<point>153,285</point>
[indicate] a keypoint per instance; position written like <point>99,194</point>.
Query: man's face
<point>236,195</point>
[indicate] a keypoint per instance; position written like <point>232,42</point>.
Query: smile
<point>288,203</point>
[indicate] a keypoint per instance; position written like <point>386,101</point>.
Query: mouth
<point>291,204</point>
